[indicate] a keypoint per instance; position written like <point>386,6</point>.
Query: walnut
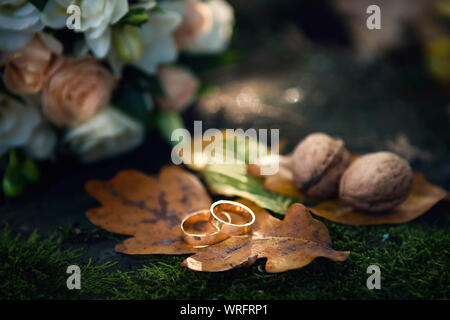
<point>318,163</point>
<point>376,182</point>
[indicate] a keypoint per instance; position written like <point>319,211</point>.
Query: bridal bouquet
<point>91,77</point>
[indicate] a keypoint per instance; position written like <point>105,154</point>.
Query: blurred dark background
<point>306,66</point>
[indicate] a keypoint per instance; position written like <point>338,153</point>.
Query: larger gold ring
<point>230,209</point>
<point>201,240</point>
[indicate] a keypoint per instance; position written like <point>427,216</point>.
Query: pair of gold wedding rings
<point>223,219</point>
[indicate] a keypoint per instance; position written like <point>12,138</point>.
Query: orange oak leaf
<point>150,209</point>
<point>282,181</point>
<point>423,196</point>
<point>287,244</point>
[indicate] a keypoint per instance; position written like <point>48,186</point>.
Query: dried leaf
<point>402,146</point>
<point>282,182</point>
<point>447,197</point>
<point>423,196</point>
<point>150,209</point>
<point>287,244</point>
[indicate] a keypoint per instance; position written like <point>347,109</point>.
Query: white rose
<point>197,19</point>
<point>158,45</point>
<point>17,123</point>
<point>108,134</point>
<point>180,87</point>
<point>19,21</point>
<point>22,126</point>
<point>96,19</point>
<point>42,142</point>
<point>216,37</point>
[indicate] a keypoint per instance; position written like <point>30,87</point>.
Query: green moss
<point>413,257</point>
<point>32,268</point>
<point>25,266</point>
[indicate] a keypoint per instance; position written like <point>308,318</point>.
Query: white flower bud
<point>96,19</point>
<point>22,126</point>
<point>216,38</point>
<point>108,134</point>
<point>127,43</point>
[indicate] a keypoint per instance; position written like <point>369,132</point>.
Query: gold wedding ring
<point>242,216</point>
<point>202,238</point>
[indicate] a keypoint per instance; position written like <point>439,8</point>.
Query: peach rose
<point>180,87</point>
<point>75,90</point>
<point>197,20</point>
<point>24,71</point>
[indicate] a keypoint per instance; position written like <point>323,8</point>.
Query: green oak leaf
<point>233,180</point>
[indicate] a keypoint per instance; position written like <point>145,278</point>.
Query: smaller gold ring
<point>201,240</point>
<point>226,207</point>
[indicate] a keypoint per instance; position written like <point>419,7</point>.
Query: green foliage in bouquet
<point>133,94</point>
<point>19,171</point>
<point>136,17</point>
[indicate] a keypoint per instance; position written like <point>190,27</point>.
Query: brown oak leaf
<point>282,181</point>
<point>150,209</point>
<point>423,197</point>
<point>287,244</point>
